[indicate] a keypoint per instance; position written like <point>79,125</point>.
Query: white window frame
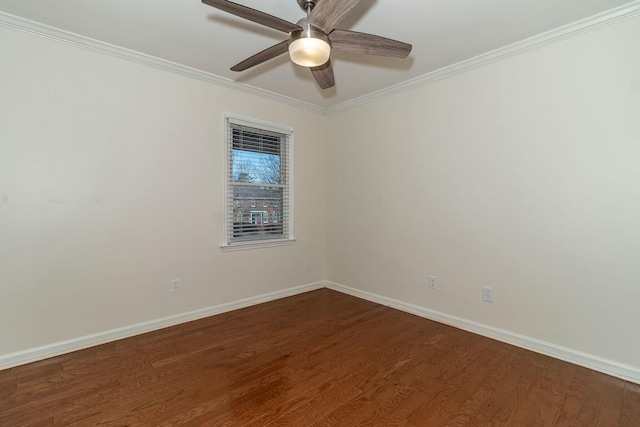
<point>227,244</point>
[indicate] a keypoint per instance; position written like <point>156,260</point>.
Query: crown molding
<point>541,40</point>
<point>52,33</point>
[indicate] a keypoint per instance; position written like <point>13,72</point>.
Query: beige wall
<point>523,175</point>
<point>111,186</point>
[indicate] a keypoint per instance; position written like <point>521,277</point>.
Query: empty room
<point>320,213</point>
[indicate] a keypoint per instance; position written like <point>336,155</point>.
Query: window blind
<point>257,184</point>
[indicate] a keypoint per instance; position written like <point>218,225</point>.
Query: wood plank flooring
<point>316,359</point>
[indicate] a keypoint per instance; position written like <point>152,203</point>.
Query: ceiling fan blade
<point>260,57</point>
<point>324,75</point>
<point>368,43</point>
<point>253,15</point>
<point>328,13</point>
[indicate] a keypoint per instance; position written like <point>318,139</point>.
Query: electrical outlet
<point>432,282</point>
<point>307,263</point>
<point>175,285</point>
<point>487,294</point>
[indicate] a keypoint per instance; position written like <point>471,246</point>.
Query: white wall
<point>523,175</point>
<point>111,186</point>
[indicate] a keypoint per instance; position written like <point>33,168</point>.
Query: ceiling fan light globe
<point>309,51</point>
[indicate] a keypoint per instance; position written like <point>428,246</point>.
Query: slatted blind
<point>258,184</point>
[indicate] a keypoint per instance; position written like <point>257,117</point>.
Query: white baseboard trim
<point>607,366</point>
<point>44,352</point>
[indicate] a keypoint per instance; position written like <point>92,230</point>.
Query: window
<point>258,168</point>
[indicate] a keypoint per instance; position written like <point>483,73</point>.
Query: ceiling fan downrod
<point>307,5</point>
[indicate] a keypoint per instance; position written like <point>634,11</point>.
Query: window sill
<point>242,246</point>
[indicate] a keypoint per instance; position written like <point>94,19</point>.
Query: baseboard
<point>609,367</point>
<point>56,349</point>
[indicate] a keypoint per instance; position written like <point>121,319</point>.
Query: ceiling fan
<point>312,38</point>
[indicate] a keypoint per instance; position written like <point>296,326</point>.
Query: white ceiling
<point>187,32</point>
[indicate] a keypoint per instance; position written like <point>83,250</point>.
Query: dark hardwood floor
<point>317,359</point>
